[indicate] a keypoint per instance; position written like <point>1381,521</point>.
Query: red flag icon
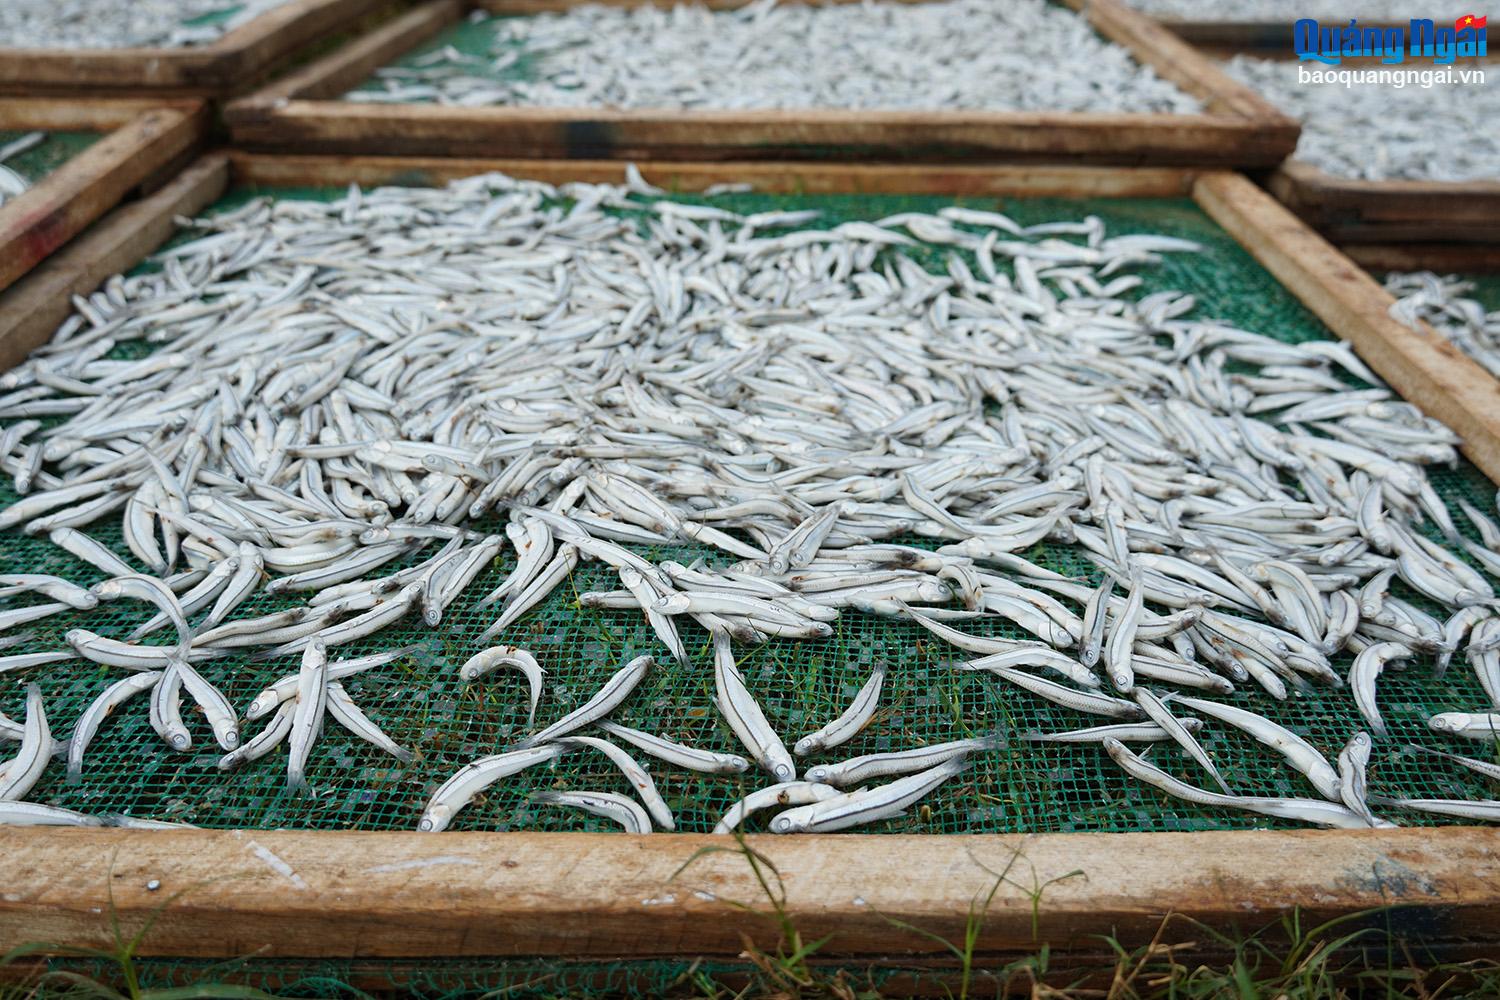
<point>1470,21</point>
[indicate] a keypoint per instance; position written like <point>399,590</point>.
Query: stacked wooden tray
<point>140,142</point>
<point>1451,220</point>
<point>229,65</point>
<point>304,113</point>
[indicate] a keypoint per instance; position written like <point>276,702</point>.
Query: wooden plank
<point>1423,367</point>
<point>1348,210</point>
<point>301,114</point>
<point>355,895</point>
<point>349,66</point>
<point>47,215</point>
<point>1265,39</point>
<point>33,308</point>
<point>59,114</point>
<point>419,129</point>
<point>813,178</point>
<point>1444,258</point>
<point>251,51</point>
<point>235,61</point>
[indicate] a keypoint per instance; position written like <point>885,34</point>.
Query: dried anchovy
<point>341,388</point>
<point>108,24</point>
<point>13,182</point>
<point>790,55</point>
<point>1440,302</point>
<point>1381,133</point>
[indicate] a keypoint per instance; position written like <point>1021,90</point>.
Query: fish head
<point>435,819</point>
<point>787,823</point>
<point>1448,722</point>
<point>807,745</point>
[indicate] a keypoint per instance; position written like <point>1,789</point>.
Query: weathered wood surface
<point>302,114</point>
<point>238,60</point>
<point>44,217</point>
<point>287,893</point>
<point>1266,39</point>
<point>1423,367</point>
<point>1444,258</point>
<point>812,178</point>
<point>1355,211</point>
<point>33,308</point>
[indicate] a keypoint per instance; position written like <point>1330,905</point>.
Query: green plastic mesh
<point>213,16</point>
<point>40,160</point>
<point>472,39</point>
<point>1021,787</point>
<point>1486,289</point>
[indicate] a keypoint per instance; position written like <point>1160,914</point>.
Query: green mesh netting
<point>470,38</point>
<point>1486,289</point>
<point>40,160</point>
<point>213,16</point>
<point>421,703</point>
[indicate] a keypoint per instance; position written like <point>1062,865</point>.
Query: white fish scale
<point>690,369</point>
<point>871,55</point>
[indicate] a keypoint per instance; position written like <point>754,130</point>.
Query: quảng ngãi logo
<point>1421,38</point>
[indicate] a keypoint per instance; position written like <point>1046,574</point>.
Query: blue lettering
<point>1389,44</point>
<point>1445,40</point>
<point>1421,36</point>
<point>1471,42</point>
<point>1306,42</point>
<point>1352,45</point>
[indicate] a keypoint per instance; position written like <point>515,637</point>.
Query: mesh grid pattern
<point>45,157</point>
<point>420,702</point>
<point>477,39</point>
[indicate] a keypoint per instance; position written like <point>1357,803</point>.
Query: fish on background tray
<point>105,24</point>
<point>872,55</point>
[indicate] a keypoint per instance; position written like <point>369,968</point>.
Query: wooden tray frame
<point>143,139</point>
<point>1268,39</point>
<point>232,64</point>
<point>1353,211</point>
<point>404,896</point>
<point>303,113</point>
<point>1443,258</point>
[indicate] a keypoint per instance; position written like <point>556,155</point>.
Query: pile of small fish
<point>13,183</point>
<point>1378,133</point>
<point>340,388</point>
<point>1443,303</point>
<point>112,24</point>
<point>1279,10</point>
<point>975,54</point>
